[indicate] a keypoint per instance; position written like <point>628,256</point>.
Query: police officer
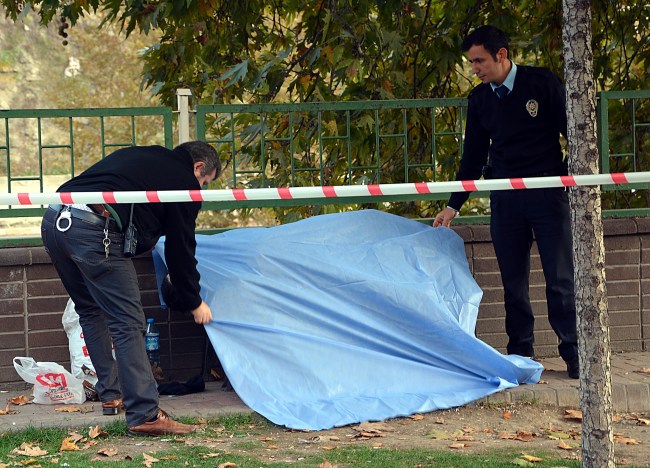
<point>514,121</point>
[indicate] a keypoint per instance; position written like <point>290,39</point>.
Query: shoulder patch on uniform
<point>477,90</point>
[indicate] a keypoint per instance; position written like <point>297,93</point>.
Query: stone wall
<point>32,300</point>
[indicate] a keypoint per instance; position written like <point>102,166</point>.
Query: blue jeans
<point>107,298</point>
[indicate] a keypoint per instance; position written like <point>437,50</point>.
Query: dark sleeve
<point>180,250</point>
<point>475,151</point>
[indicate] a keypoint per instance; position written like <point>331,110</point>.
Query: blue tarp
<point>349,317</point>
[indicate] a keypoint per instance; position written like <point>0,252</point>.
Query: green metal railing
<point>279,145</point>
<point>300,144</point>
<point>71,139</point>
<point>624,133</point>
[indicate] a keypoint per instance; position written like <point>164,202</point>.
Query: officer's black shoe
<point>573,368</point>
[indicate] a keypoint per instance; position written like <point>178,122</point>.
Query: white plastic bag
<point>53,384</point>
<point>79,356</point>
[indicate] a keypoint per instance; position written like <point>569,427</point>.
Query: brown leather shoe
<point>162,425</point>
<point>113,407</point>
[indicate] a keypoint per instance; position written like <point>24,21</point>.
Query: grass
<point>245,453</point>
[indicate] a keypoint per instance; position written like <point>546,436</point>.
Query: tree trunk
<point>589,252</point>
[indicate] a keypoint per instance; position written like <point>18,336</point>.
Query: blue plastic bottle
<point>152,342</point>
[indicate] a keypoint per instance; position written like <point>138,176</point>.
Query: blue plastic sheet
<point>349,317</point>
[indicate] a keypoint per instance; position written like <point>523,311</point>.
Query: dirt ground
<point>525,428</point>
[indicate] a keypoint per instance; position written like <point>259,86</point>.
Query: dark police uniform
<point>520,133</point>
<point>102,281</point>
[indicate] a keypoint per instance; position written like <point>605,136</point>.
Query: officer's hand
<point>202,314</point>
<point>444,217</point>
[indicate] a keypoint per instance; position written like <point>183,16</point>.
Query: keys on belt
<point>64,222</point>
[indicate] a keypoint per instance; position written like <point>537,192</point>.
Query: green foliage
<point>256,51</point>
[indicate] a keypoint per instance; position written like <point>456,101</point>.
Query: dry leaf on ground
<point>149,460</point>
<point>29,450</point>
<point>68,409</point>
<point>96,431</point>
<point>7,410</point>
<point>107,451</point>
<point>68,445</point>
<point>573,414</point>
<point>19,400</point>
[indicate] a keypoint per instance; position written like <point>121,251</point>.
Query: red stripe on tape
<point>568,181</point>
<point>374,189</point>
<point>517,183</point>
<point>109,197</point>
<point>469,185</point>
<point>66,198</point>
<point>422,187</point>
<point>619,178</point>
<point>285,193</point>
<point>152,196</point>
<point>239,194</point>
<point>196,195</point>
<point>329,191</point>
<point>23,198</point>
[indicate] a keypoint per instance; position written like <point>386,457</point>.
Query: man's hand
<point>202,314</point>
<point>444,217</point>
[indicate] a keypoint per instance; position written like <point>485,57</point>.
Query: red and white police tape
<point>339,191</point>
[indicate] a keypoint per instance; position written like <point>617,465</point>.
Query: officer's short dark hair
<point>493,39</point>
<point>205,153</point>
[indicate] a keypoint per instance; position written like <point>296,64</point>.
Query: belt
<point>92,218</point>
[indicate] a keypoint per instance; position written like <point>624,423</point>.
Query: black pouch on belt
<point>130,237</point>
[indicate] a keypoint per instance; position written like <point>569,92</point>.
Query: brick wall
<point>32,300</point>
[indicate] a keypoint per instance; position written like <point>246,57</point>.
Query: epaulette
<point>477,89</point>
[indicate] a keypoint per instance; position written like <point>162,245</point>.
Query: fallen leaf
<point>29,450</point>
<point>458,445</point>
<point>266,439</point>
<point>416,417</point>
<point>96,431</point>
<point>531,458</point>
<point>623,440</point>
<point>524,436</point>
<point>439,420</point>
<point>368,435</point>
<point>19,400</point>
<point>643,422</point>
<point>328,447</point>
<point>7,410</point>
<point>507,415</point>
<point>377,445</point>
<point>521,462</point>
<point>373,427</point>
<point>334,438</point>
<point>555,435</point>
<point>149,460</point>
<point>210,455</point>
<point>68,409</point>
<point>644,370</point>
<point>107,451</point>
<point>565,446</point>
<point>227,465</point>
<point>75,437</point>
<point>438,435</point>
<point>573,414</point>
<point>68,445</point>
<point>543,382</point>
<point>272,447</point>
<point>326,464</point>
<point>465,438</point>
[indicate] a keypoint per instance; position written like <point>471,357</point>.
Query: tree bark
<point>589,253</point>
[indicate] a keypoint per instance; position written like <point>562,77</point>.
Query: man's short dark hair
<point>493,39</point>
<point>205,153</point>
